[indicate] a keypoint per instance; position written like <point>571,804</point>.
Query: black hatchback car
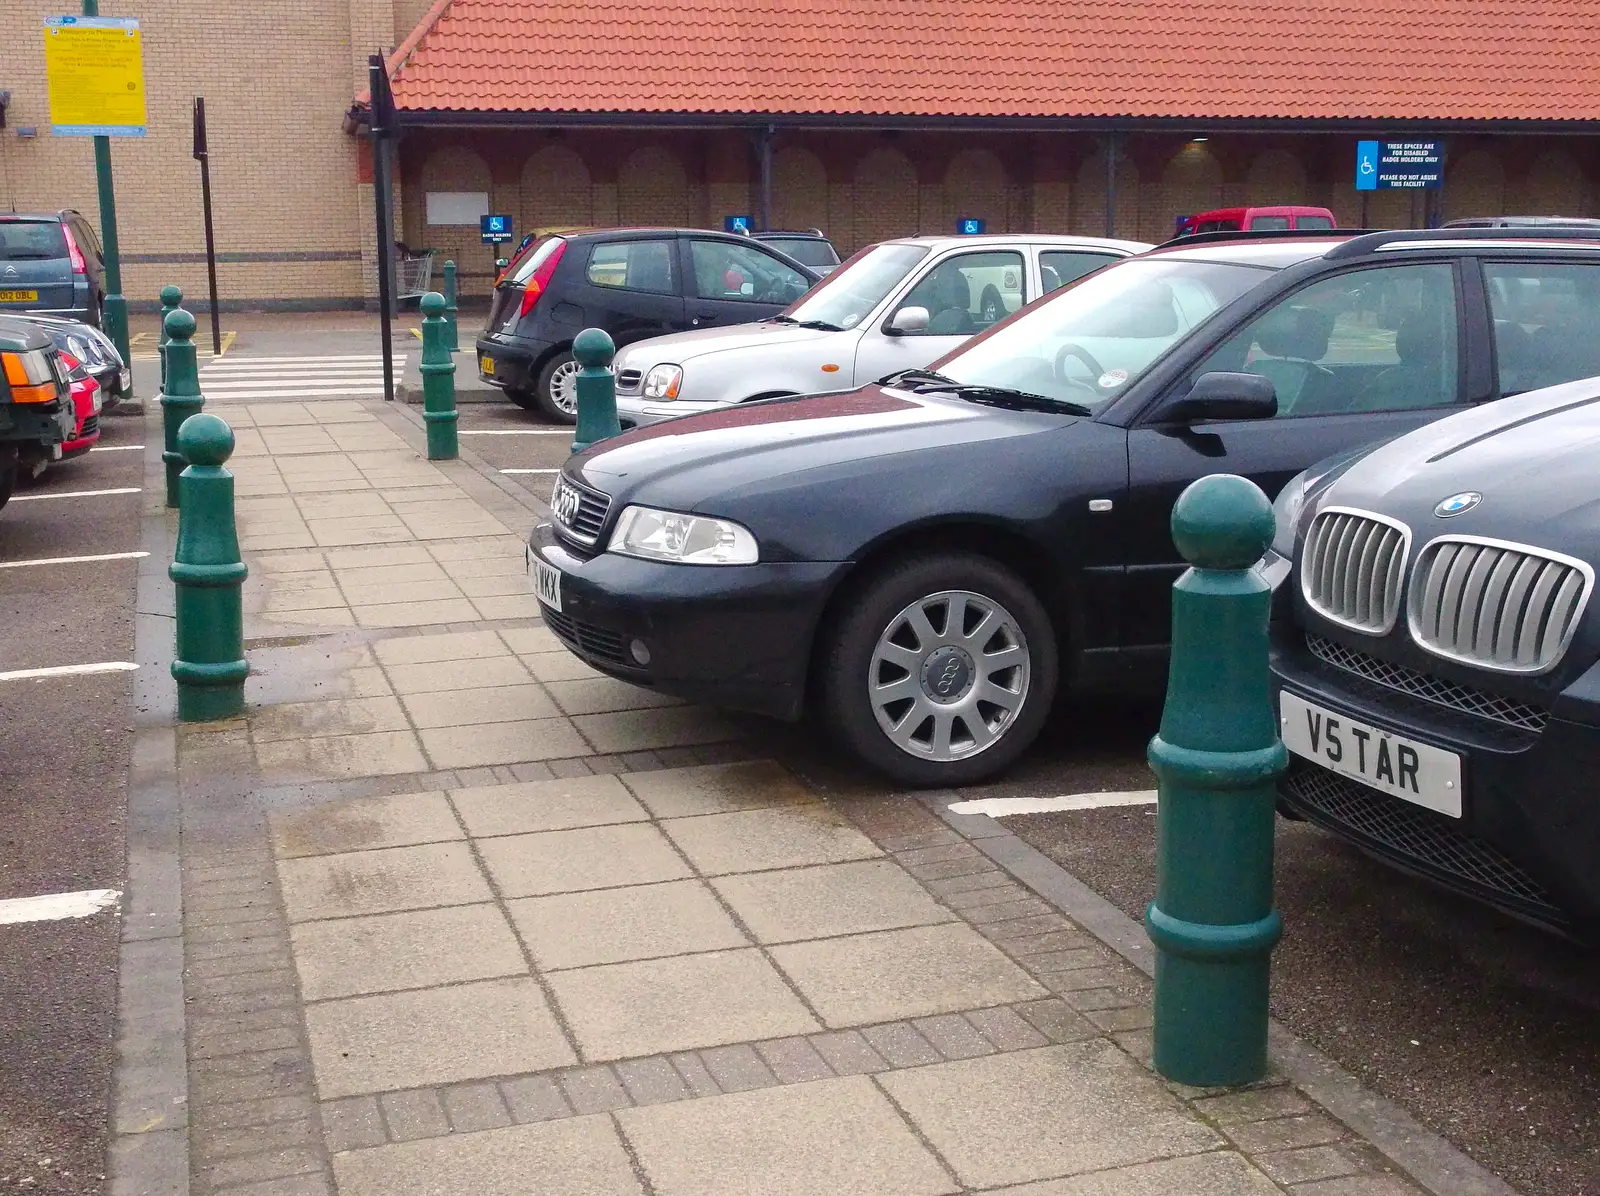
<point>633,283</point>
<point>1437,657</point>
<point>50,263</point>
<point>926,559</point>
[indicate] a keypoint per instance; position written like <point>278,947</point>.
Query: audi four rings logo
<point>1457,503</point>
<point>564,502</point>
<point>948,676</point>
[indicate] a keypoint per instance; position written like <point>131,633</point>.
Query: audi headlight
<point>1286,509</point>
<point>663,382</point>
<point>682,539</point>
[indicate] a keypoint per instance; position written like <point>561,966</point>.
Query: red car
<point>86,401</point>
<point>1277,218</point>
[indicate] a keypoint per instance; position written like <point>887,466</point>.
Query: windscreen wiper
<point>995,396</point>
<point>820,325</point>
<point>780,320</point>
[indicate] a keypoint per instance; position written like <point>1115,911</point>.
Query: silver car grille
<point>1507,607</point>
<point>1352,569</point>
<point>579,511</point>
<point>1406,680</point>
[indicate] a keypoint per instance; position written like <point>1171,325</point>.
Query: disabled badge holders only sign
<point>494,230</point>
<point>1399,165</point>
<point>94,67</point>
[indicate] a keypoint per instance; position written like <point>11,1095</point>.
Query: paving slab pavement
<point>461,916</point>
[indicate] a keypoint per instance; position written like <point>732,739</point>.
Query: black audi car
<point>631,282</point>
<point>925,560</point>
<point>1437,664</point>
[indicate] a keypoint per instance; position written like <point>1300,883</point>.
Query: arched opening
<point>885,196</point>
<point>975,186</point>
<point>556,190</point>
<point>799,189</point>
<point>653,189</point>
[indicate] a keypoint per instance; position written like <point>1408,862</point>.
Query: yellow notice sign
<point>95,68</point>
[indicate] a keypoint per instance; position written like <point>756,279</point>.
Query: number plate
<point>546,583</point>
<point>1414,772</point>
<point>19,296</point>
<point>486,364</point>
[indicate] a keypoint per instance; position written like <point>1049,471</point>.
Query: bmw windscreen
<point>1084,345</point>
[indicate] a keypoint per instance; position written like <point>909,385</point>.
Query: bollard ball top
<point>593,348</point>
<point>1222,522</point>
<point>179,325</point>
<point>432,304</point>
<point>171,296</point>
<point>205,440</point>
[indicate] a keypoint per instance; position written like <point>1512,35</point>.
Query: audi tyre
<point>941,671</point>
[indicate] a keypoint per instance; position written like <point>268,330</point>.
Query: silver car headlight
<point>681,539</point>
<point>663,382</point>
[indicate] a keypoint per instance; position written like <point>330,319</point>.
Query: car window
<point>848,295</point>
<point>1217,226</point>
<point>808,251</point>
<point>632,266</point>
<point>1368,340</point>
<point>968,293</point>
<point>31,240</point>
<point>742,272</point>
<point>87,239</point>
<point>1269,224</point>
<point>1087,343</point>
<point>1546,322</point>
<point>1059,267</point>
<point>1313,222</point>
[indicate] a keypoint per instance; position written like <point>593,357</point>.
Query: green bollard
<point>597,389</point>
<point>180,394</point>
<point>452,338</point>
<point>207,575</point>
<point>1216,758</point>
<point>438,381</point>
<point>171,300</point>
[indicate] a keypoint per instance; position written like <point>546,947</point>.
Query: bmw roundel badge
<point>1458,503</point>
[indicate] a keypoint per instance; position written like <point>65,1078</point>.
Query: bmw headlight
<point>663,381</point>
<point>1286,509</point>
<point>682,539</point>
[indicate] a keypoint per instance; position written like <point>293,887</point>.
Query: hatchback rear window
<point>806,250</point>
<point>536,257</point>
<point>31,240</point>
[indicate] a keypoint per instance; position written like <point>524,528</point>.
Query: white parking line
<point>117,448</point>
<point>1006,807</point>
<point>530,471</point>
<point>54,906</point>
<point>515,432</point>
<point>73,560</point>
<point>75,494</point>
<point>70,670</point>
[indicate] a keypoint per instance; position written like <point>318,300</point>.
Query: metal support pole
<point>180,397</point>
<point>764,150</point>
<point>207,573</point>
<point>114,315</point>
<point>202,152</point>
<point>381,132</point>
<point>597,389</point>
<point>1113,151</point>
<point>438,381</point>
<point>452,337</point>
<point>1216,759</point>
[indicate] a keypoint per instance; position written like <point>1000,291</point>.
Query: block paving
<point>459,915</point>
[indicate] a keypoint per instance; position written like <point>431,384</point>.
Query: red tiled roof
<point>1243,59</point>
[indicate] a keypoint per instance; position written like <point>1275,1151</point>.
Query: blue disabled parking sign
<point>736,224</point>
<point>969,226</point>
<point>494,230</point>
<point>1399,165</point>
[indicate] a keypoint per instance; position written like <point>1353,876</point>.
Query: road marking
<point>238,362</point>
<point>514,432</point>
<point>73,560</point>
<point>1006,807</point>
<point>530,471</point>
<point>117,448</point>
<point>75,494</point>
<point>70,670</point>
<point>295,392</point>
<point>52,907</point>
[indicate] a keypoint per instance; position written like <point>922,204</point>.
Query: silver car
<point>893,306</point>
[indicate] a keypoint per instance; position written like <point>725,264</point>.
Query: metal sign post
<point>382,131</point>
<point>202,155</point>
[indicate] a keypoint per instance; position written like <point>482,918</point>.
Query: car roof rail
<point>1260,234</point>
<point>1423,237</point>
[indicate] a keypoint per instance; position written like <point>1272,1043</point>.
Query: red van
<point>1278,218</point>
